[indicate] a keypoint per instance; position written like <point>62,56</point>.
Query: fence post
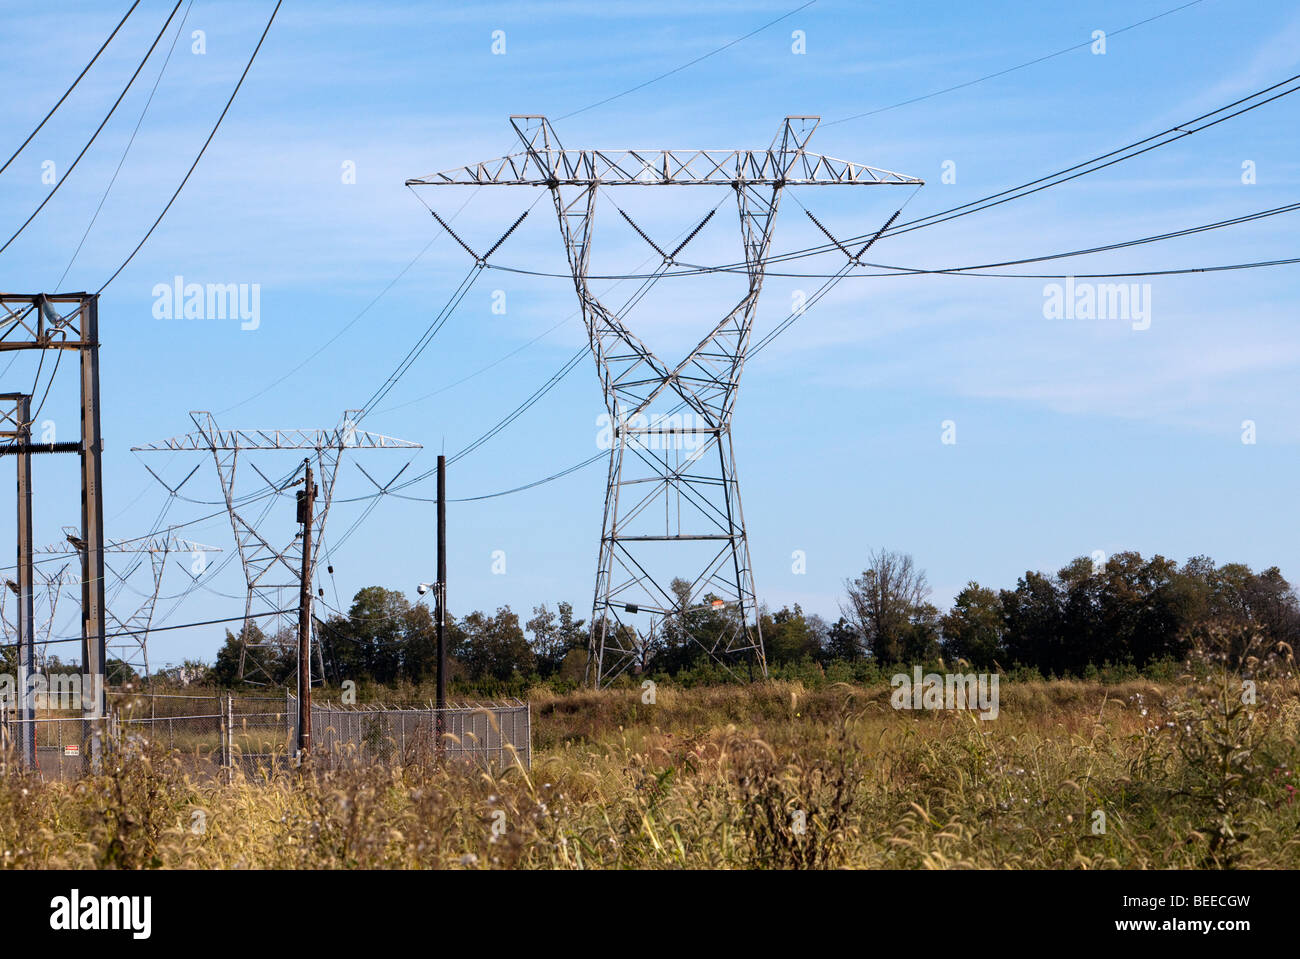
<point>230,725</point>
<point>224,724</point>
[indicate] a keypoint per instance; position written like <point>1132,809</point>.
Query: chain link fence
<point>493,736</point>
<point>211,734</point>
<point>61,744</point>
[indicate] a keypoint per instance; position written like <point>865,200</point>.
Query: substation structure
<point>278,581</point>
<point>668,502</point>
<point>59,322</point>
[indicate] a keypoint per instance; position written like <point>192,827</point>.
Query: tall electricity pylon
<point>274,576</point>
<point>672,469</point>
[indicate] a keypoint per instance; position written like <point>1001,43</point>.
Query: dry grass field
<point>772,775</point>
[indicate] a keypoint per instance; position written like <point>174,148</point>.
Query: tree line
<point>1123,610</point>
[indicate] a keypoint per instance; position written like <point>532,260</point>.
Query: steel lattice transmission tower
<point>129,638</point>
<point>274,575</point>
<point>46,604</point>
<point>672,477</point>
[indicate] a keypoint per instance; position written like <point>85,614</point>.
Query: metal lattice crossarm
<point>149,544</point>
<point>672,501</point>
<point>345,436</point>
<point>545,163</point>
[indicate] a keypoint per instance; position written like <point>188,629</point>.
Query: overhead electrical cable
<point>113,109</point>
<point>248,66</point>
<point>68,92</point>
<point>1020,66</point>
<point>180,28</point>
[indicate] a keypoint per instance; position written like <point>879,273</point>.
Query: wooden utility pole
<point>440,593</point>
<point>306,511</point>
<point>440,598</point>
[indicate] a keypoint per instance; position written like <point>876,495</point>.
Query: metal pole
<point>440,600</point>
<point>306,504</point>
<point>93,653</point>
<point>229,711</point>
<point>26,610</point>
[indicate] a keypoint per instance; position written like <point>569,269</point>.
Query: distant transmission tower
<point>672,495</point>
<point>274,576</point>
<point>128,639</point>
<point>45,602</point>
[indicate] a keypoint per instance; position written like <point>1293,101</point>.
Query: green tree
<point>686,635</point>
<point>553,637</point>
<point>1032,622</point>
<point>788,637</point>
<point>972,629</point>
<point>843,642</point>
<point>886,606</point>
<point>225,671</point>
<point>494,646</point>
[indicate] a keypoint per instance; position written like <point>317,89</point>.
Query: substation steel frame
<point>704,384</point>
<point>38,321</point>
<point>16,427</point>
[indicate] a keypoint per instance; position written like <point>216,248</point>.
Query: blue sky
<point>1072,435</point>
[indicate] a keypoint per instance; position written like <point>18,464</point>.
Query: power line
<point>684,66</point>
<point>834,278</point>
<point>1123,244</point>
<point>1178,271</point>
<point>404,270</point>
<point>55,557</point>
<point>1091,165</point>
<point>1020,66</point>
<point>482,369</point>
<point>425,338</point>
<point>248,66</point>
<point>892,270</point>
<point>570,364</point>
<point>180,28</point>
<point>1002,196</point>
<point>519,489</point>
<point>352,322</point>
<point>62,179</point>
<point>68,92</point>
<point>523,407</point>
<point>160,629</point>
<point>419,255</point>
